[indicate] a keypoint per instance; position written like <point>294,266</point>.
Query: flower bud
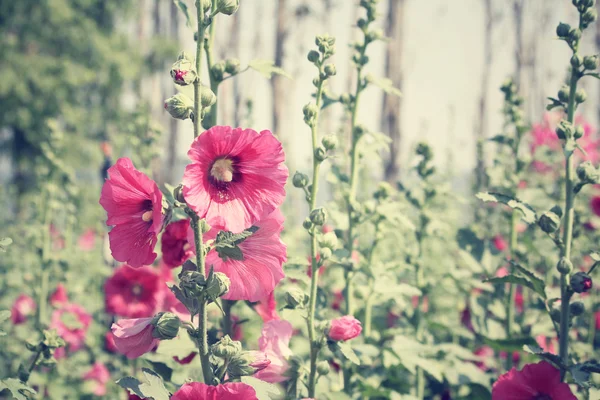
<point>384,190</point>
<point>578,132</point>
<point>329,240</point>
<point>320,154</point>
<point>345,98</point>
<point>590,62</point>
<point>206,5</point>
<point>300,180</point>
<point>564,266</point>
<point>179,106</point>
<point>581,282</point>
<point>576,308</point>
<point>580,96</point>
<point>323,368</point>
<point>587,173</point>
<point>207,97</point>
<point>228,7</point>
<point>192,283</point>
<point>226,348</point>
<point>574,35</point>
<point>576,61</point>
<point>183,71</point>
<point>232,66</point>
<point>307,224</point>
<point>217,71</point>
<point>564,130</point>
<point>589,16</point>
<point>313,56</point>
<point>247,363</point>
<point>318,216</point>
<point>555,315</point>
<point>217,285</point>
<point>310,113</point>
<point>166,326</point>
<point>562,30</point>
<point>549,222</point>
<point>330,142</point>
<point>296,298</point>
<point>325,253</point>
<point>329,70</point>
<point>563,94</point>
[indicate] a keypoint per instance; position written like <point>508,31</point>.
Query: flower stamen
<point>222,170</point>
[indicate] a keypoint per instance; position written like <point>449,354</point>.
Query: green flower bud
<point>325,253</point>
<point>295,298</point>
<point>310,113</point>
<point>383,191</point>
<point>574,35</point>
<point>232,66</point>
<point>562,30</point>
<point>247,363</point>
<point>207,97</point>
<point>217,285</point>
<point>313,56</point>
<point>587,173</point>
<point>226,348</point>
<point>576,308</point>
<point>330,142</point>
<point>564,130</point>
<point>578,132</point>
<point>549,222</point>
<point>329,70</point>
<point>345,98</point>
<point>166,326</point>
<point>588,17</point>
<point>206,5</point>
<point>580,96</point>
<point>563,94</point>
<point>564,266</point>
<point>307,224</point>
<point>178,193</point>
<point>323,368</point>
<point>192,283</point>
<point>581,282</point>
<point>320,154</point>
<point>359,130</point>
<point>52,340</point>
<point>179,106</point>
<point>183,71</point>
<point>329,240</point>
<point>362,23</point>
<point>218,70</point>
<point>184,55</point>
<point>300,180</point>
<point>576,61</point>
<point>228,7</point>
<point>318,216</point>
<point>555,315</point>
<point>590,62</point>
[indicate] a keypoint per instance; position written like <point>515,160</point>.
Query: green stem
<point>211,118</point>
<point>592,327</point>
<point>510,300</point>
<point>197,85</point>
<point>44,272</point>
<point>418,314</point>
<point>369,302</point>
<point>33,363</point>
<point>227,322</point>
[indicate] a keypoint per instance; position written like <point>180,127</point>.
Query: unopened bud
<point>564,130</point>
<point>318,216</point>
<point>329,240</point>
<point>574,35</point>
<point>579,132</point>
<point>228,7</point>
<point>330,142</point>
<point>247,363</point>
<point>555,315</point>
<point>581,282</point>
<point>580,96</point>
<point>590,62</point>
<point>226,348</point>
<point>166,326</point>
<point>320,154</point>
<point>300,180</point>
<point>563,94</point>
<point>206,5</point>
<point>207,97</point>
<point>549,222</point>
<point>564,266</point>
<point>313,56</point>
<point>325,253</point>
<point>310,113</point>
<point>323,368</point>
<point>218,70</point>
<point>217,286</point>
<point>179,106</point>
<point>183,71</point>
<point>296,298</point>
<point>358,131</point>
<point>562,30</point>
<point>576,308</point>
<point>587,173</point>
<point>307,224</point>
<point>329,70</point>
<point>588,17</point>
<point>232,66</point>
<point>178,193</point>
<point>576,61</point>
<point>345,98</point>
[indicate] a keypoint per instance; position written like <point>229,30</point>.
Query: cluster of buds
<point>194,288</point>
<point>46,348</point>
<point>296,298</point>
<point>587,174</point>
<point>237,363</point>
<point>512,105</point>
<point>231,67</point>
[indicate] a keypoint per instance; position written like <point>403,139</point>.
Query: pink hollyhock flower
<point>274,341</point>
<point>226,391</point>
<point>174,243</point>
<point>59,296</point>
<point>267,308</point>
<point>595,205</point>
<point>109,343</point>
<point>236,176</point>
<point>344,328</point>
<point>87,241</point>
<point>260,360</point>
<point>133,337</point>
<point>257,274</point>
<point>424,304</point>
<point>500,243</point>
<point>547,344</point>
<point>100,375</point>
<point>134,206</point>
<point>338,297</point>
<point>534,381</point>
<point>485,353</point>
<point>58,241</point>
<point>71,321</point>
<point>23,307</point>
<point>501,272</point>
<point>134,292</point>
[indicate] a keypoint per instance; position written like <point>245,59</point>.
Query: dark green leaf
<point>16,388</point>
<point>152,386</point>
<point>528,213</point>
<point>502,139</point>
<point>347,351</point>
<point>537,350</point>
<point>537,284</point>
<point>512,344</point>
<point>184,9</point>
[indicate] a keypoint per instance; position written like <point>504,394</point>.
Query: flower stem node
<point>318,216</point>
<point>295,298</point>
<point>330,142</point>
<point>581,282</point>
<point>576,308</point>
<point>549,222</point>
<point>300,180</point>
<point>179,106</point>
<point>228,7</point>
<point>564,266</point>
<point>166,326</point>
<point>226,348</point>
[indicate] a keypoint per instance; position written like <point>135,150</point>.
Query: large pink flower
<point>134,206</point>
<point>255,276</point>
<point>344,328</point>
<point>100,376</point>
<point>534,381</point>
<point>174,243</point>
<point>134,292</point>
<point>274,341</point>
<point>133,337</point>
<point>236,176</point>
<point>22,308</point>
<point>267,308</point>
<point>71,322</point>
<point>226,391</point>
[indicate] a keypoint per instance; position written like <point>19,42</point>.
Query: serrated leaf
<point>4,243</point>
<point>184,9</point>
<point>267,68</point>
<point>264,390</point>
<point>528,213</point>
<point>16,388</point>
<point>152,386</point>
<point>537,284</point>
<point>347,351</point>
<point>538,351</point>
<point>512,344</point>
<point>386,84</point>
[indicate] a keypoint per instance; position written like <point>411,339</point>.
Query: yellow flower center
<point>222,170</point>
<point>147,216</point>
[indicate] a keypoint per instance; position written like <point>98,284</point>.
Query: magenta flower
<point>267,308</point>
<point>134,292</point>
<point>236,176</point>
<point>22,308</point>
<point>100,376</point>
<point>174,243</point>
<point>134,206</point>
<point>500,243</point>
<point>344,328</point>
<point>133,337</point>
<point>274,341</point>
<point>534,381</point>
<point>227,391</point>
<point>59,296</point>
<point>255,276</point>
<point>595,205</point>
<point>71,322</point>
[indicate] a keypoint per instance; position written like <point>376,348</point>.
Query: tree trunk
<point>390,121</point>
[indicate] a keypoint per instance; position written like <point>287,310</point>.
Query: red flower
<point>100,376</point>
<point>59,296</point>
<point>23,307</point>
<point>534,381</point>
<point>72,323</point>
<point>134,292</point>
<point>485,353</point>
<point>227,391</point>
<point>174,243</point>
<point>344,328</point>
<point>500,243</point>
<point>595,205</point>
<point>134,206</point>
<point>236,176</point>
<point>109,343</point>
<point>338,297</point>
<point>133,337</point>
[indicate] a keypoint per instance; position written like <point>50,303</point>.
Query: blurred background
<point>96,74</point>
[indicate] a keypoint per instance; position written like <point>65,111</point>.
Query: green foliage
<point>17,389</point>
<point>151,385</point>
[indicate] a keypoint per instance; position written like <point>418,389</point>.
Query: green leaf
<point>537,284</point>
<point>4,243</point>
<point>264,390</point>
<point>386,84</point>
<point>347,351</point>
<point>152,386</point>
<point>184,9</point>
<point>4,315</point>
<point>502,139</point>
<point>512,344</point>
<point>594,74</point>
<point>538,351</point>
<point>528,213</point>
<point>226,243</point>
<point>595,256</point>
<point>16,388</point>
<point>267,68</point>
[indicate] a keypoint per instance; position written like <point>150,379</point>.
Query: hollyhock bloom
<point>344,328</point>
<point>236,176</point>
<point>486,353</point>
<point>174,243</point>
<point>501,272</point>
<point>534,381</point>
<point>500,243</point>
<point>255,276</point>
<point>23,307</point>
<point>134,292</point>
<point>226,391</point>
<point>109,343</point>
<point>133,337</point>
<point>100,375</point>
<point>134,206</point>
<point>267,308</point>
<point>71,321</point>
<point>59,296</point>
<point>260,360</point>
<point>547,344</point>
<point>87,241</point>
<point>519,300</point>
<point>275,340</point>
<point>595,205</point>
